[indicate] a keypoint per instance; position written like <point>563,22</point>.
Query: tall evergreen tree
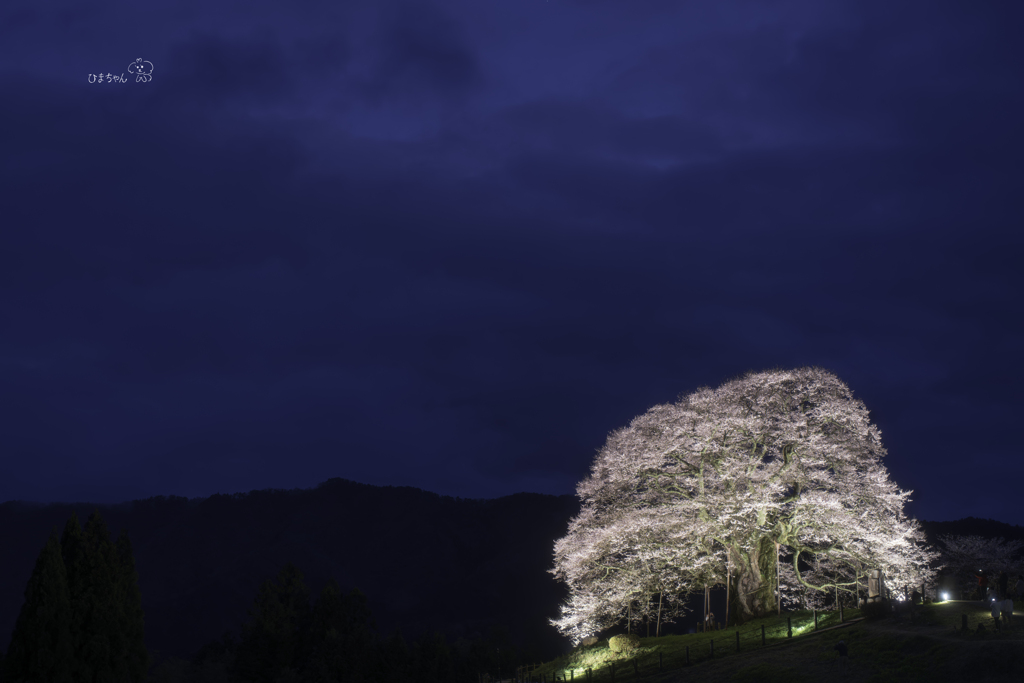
<point>394,659</point>
<point>342,642</point>
<point>74,551</point>
<point>41,649</point>
<point>105,651</point>
<point>273,638</point>
<point>133,619</point>
<point>82,619</point>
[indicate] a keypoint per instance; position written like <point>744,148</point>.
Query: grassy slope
<point>887,650</point>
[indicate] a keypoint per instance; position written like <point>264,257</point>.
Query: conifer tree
<point>342,641</point>
<point>133,619</point>
<point>273,639</point>
<point>395,660</point>
<point>82,618</point>
<point>106,620</point>
<point>74,550</point>
<point>105,650</point>
<point>41,649</point>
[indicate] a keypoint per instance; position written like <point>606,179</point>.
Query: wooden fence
<point>652,663</point>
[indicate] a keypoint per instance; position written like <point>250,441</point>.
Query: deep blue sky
<point>453,244</point>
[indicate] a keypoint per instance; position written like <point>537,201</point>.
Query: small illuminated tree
<point>967,555</point>
<point>718,483</point>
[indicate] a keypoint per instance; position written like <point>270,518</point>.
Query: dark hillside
<point>972,526</point>
<point>425,561</point>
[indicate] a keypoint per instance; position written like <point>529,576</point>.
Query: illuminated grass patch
<point>670,652</point>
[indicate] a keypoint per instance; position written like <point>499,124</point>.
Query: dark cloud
<point>420,50</point>
<point>452,245</point>
<point>208,71</point>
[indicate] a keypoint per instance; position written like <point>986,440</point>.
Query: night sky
<point>453,244</point>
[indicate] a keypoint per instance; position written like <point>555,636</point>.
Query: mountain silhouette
<point>426,562</point>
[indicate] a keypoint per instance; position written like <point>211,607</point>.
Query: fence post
<point>789,624</point>
<point>963,621</point>
<point>840,612</point>
<point>659,661</point>
<point>688,649</point>
<point>613,671</point>
<point>815,613</point>
<point>712,648</point>
<point>762,635</point>
<point>737,640</point>
<point>636,668</point>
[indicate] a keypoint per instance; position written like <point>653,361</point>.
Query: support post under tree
<point>707,607</point>
<point>778,589</point>
<point>728,581</point>
<point>657,630</point>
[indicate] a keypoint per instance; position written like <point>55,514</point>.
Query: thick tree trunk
<point>753,581</point>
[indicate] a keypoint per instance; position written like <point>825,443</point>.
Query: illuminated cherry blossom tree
<point>711,489</point>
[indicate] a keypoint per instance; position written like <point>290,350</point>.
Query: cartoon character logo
<point>143,70</point>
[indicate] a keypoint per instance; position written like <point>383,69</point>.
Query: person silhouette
<point>843,651</point>
<point>982,583</point>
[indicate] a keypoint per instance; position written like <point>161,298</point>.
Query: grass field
<point>930,646</point>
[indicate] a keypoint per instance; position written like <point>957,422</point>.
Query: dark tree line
<point>334,640</point>
<point>416,554</point>
<point>82,619</point>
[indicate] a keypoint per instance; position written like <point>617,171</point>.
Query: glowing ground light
<point>945,596</point>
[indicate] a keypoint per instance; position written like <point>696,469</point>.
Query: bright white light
<point>945,596</point>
